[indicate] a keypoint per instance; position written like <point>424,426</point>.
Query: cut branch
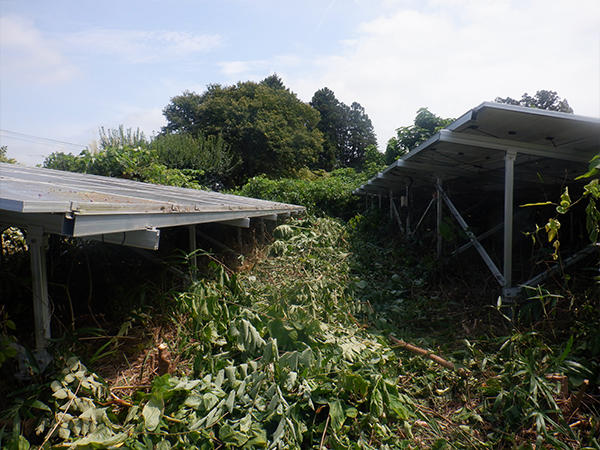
<point>422,352</point>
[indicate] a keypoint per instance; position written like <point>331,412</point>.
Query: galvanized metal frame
<point>495,147</point>
<point>111,210</point>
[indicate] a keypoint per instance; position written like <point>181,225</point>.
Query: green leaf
<point>259,439</point>
<point>440,444</point>
<point>230,403</point>
<point>536,204</point>
<point>102,437</point>
<point>397,407</point>
<point>23,444</point>
<point>153,411</point>
<point>212,417</point>
<point>270,352</point>
<point>376,403</point>
<point>567,350</point>
<point>39,405</point>
<point>230,436</point>
<point>61,394</point>
<point>193,401</point>
<point>210,400</point>
<point>280,430</point>
<point>163,445</point>
<point>337,415</point>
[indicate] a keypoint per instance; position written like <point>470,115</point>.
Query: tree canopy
<point>267,127</point>
<point>347,131</point>
<point>425,125</point>
<point>548,100</point>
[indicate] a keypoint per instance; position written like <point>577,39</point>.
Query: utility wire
<point>38,139</point>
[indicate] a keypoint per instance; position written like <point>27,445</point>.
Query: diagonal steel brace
<point>484,255</point>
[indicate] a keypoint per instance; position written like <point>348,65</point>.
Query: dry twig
<point>422,352</point>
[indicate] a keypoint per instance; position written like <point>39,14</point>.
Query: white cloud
<point>29,56</point>
<point>235,68</point>
<point>150,121</point>
<point>138,46</point>
<point>257,70</point>
<point>452,55</point>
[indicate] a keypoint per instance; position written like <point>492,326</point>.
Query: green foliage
<point>591,192</point>
<point>266,126</point>
<point>425,125</point>
<point>176,160</point>
<point>120,138</point>
<point>208,160</point>
<point>4,158</point>
<point>522,396</point>
<point>347,131</point>
<point>322,194</point>
<point>374,161</point>
<point>542,100</point>
<point>7,338</point>
<point>281,357</point>
<point>136,164</point>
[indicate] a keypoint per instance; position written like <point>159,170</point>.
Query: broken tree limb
<point>422,352</point>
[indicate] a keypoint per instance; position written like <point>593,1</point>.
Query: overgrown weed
<point>295,353</point>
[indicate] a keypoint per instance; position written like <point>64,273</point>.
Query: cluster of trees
<point>548,100</point>
<point>347,131</point>
<point>270,131</point>
<point>229,134</point>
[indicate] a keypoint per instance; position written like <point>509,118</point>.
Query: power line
<point>38,139</point>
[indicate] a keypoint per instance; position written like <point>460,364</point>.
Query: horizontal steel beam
<point>240,223</point>
<point>148,239</point>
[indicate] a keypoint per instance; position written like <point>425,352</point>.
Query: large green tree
<point>360,136</point>
<point>268,128</point>
<point>425,125</point>
<point>347,131</point>
<point>542,100</point>
<point>331,124</point>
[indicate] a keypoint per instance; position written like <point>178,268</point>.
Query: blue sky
<point>70,67</point>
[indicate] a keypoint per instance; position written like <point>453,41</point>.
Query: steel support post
<point>37,241</point>
<point>509,177</point>
<point>407,210</point>
<point>439,217</point>
<point>194,258</point>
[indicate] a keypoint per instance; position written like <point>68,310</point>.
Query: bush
<point>136,164</point>
<point>323,194</point>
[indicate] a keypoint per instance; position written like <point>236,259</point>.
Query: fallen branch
<point>422,352</point>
